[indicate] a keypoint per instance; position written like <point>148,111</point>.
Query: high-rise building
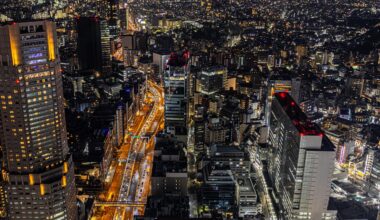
<point>38,169</point>
<point>301,162</point>
<point>160,58</point>
<point>276,84</point>
<point>94,48</point>
<point>133,45</point>
<point>281,83</point>
<point>213,79</point>
<point>113,18</point>
<point>176,94</point>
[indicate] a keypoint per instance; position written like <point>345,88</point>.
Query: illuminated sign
<point>37,75</point>
<point>50,41</point>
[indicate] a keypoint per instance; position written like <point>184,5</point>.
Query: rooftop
<point>297,116</point>
<point>178,60</point>
<point>301,121</point>
<point>161,168</point>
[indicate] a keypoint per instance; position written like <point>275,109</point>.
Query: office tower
<point>199,129</point>
<point>136,41</point>
<point>94,50</point>
<point>130,53</point>
<point>160,58</point>
<point>277,83</point>
<point>213,79</point>
<point>301,162</point>
<point>123,18</point>
<point>113,18</point>
<point>323,58</point>
<point>230,114</point>
<point>301,51</point>
<point>247,199</point>
<point>175,81</point>
<point>281,83</point>
<point>38,169</point>
<point>133,45</point>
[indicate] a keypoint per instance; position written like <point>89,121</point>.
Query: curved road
<point>133,166</point>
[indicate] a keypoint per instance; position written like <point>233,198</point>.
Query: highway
<point>137,188</point>
<point>130,186</point>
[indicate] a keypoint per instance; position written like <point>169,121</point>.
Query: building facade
<point>301,162</point>
<point>176,92</point>
<point>213,79</point>
<point>38,169</point>
<point>281,83</point>
<point>94,50</point>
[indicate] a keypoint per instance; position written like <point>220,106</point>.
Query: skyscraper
<point>301,162</point>
<point>213,79</point>
<point>38,169</point>
<point>160,58</point>
<point>176,91</point>
<point>281,83</point>
<point>94,50</point>
<point>277,83</point>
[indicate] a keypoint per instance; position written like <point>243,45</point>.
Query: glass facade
<point>213,79</point>
<point>175,96</point>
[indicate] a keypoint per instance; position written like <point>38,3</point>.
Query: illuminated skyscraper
<point>38,169</point>
<point>301,162</point>
<point>213,79</point>
<point>176,92</point>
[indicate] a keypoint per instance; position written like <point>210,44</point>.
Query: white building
<point>301,162</point>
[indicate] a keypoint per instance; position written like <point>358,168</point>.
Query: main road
<point>130,186</point>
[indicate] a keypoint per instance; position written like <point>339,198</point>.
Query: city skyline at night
<point>199,109</point>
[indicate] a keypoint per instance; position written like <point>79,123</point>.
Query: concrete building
<point>215,132</point>
<point>301,162</point>
<point>218,191</point>
<point>247,200</point>
<point>230,156</point>
<point>38,168</point>
<point>169,174</point>
<point>169,177</point>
